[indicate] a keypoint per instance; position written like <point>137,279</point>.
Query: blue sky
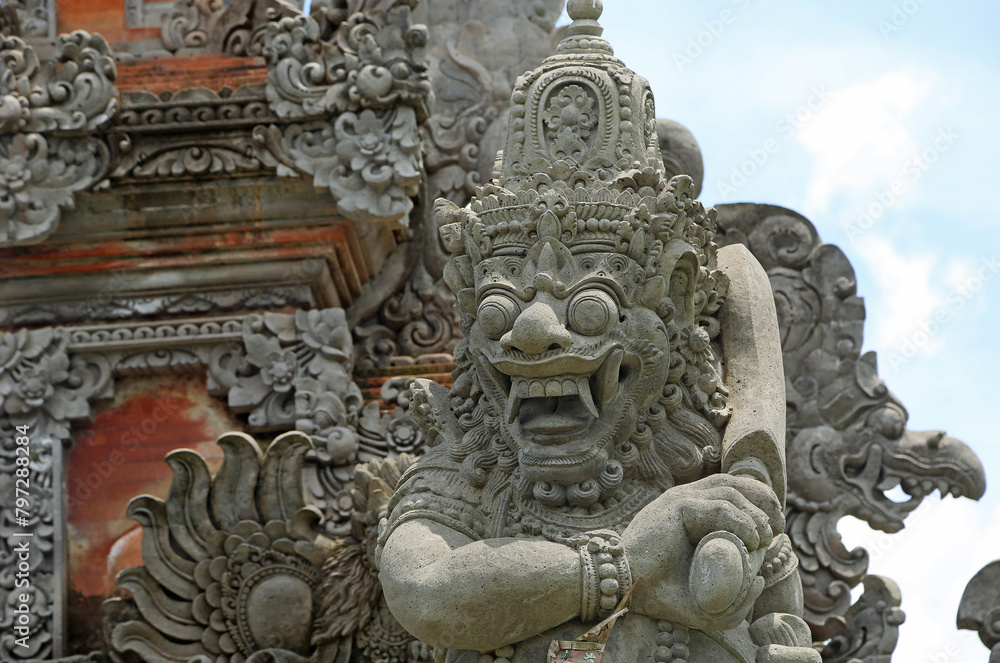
<point>883,121</point>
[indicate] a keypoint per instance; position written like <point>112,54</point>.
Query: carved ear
<point>653,292</point>
<point>680,266</point>
<point>458,274</point>
<point>450,222</point>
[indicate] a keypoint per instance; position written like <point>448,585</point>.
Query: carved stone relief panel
<point>476,50</point>
<point>44,388</point>
<point>352,107</point>
<point>282,371</point>
<point>49,115</point>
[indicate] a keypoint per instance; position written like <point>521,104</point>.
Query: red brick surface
<point>120,455</point>
<point>213,71</point>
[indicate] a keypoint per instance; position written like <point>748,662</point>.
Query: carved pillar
<point>43,389</point>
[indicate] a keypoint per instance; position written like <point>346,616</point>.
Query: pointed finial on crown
<point>584,34</point>
<point>585,14</point>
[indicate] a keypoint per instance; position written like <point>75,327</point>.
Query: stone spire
<point>582,109</point>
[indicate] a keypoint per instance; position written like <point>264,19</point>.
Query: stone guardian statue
<point>618,409</point>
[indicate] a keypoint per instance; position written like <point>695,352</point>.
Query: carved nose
<point>536,330</point>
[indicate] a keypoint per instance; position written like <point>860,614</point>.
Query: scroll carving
<point>418,321</point>
<point>235,568</point>
<point>236,28</point>
<point>472,71</point>
<point>43,389</point>
<point>296,372</point>
<point>231,562</point>
<point>33,20</point>
<point>979,609</point>
<point>353,106</point>
<point>46,112</point>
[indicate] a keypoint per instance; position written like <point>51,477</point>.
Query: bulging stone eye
<point>497,314</point>
<point>592,312</point>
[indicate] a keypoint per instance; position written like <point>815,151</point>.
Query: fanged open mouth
<point>565,404</point>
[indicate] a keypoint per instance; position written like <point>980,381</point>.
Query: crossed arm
<point>451,591</point>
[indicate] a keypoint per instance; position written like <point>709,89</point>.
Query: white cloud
<point>907,297</point>
<point>932,571</point>
<point>862,133</point>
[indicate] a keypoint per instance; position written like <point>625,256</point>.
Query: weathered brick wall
<point>117,457</point>
<point>104,16</point>
<point>213,71</point>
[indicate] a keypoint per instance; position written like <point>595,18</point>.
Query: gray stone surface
<point>846,441</point>
<point>281,371</point>
<point>49,120</point>
<point>979,609</point>
<point>846,434</point>
<point>231,561</point>
<point>618,410</point>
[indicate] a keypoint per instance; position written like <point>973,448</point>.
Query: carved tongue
<point>560,392</point>
<point>606,378</point>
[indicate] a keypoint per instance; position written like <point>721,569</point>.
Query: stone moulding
<point>346,112</point>
<point>194,133</point>
<point>51,116</point>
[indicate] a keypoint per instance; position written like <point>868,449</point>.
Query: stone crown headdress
<point>581,165</point>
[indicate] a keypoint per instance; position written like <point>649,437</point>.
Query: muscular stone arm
<point>451,591</point>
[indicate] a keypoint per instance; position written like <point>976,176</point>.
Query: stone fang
<point>607,376</point>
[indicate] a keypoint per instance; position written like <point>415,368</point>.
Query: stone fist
<point>698,548</point>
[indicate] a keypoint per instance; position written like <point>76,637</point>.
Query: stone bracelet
<point>605,571</point>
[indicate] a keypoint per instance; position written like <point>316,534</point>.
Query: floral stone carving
<point>236,28</point>
<point>355,104</point>
<point>45,111</point>
<point>591,436</point>
<point>42,391</point>
<point>231,562</point>
<point>296,372</point>
<point>236,569</point>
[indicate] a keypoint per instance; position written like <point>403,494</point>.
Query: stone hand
<point>661,540</point>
